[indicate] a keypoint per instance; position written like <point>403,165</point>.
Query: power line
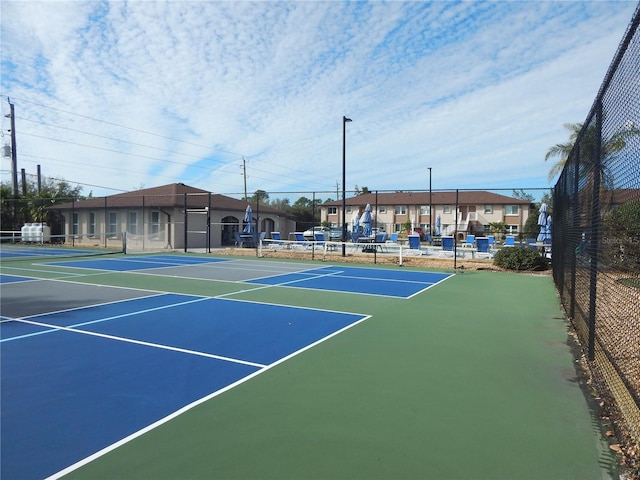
<point>159,136</point>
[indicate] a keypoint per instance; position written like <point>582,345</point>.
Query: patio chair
<point>381,238</point>
<point>483,247</point>
<point>301,241</point>
<point>238,240</point>
<point>414,245</point>
<point>276,241</point>
<point>448,244</point>
<point>319,239</point>
<point>470,241</point>
<point>492,240</point>
<point>510,241</point>
<point>393,238</point>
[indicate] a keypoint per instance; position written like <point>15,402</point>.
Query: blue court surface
<point>132,263</point>
<point>371,281</point>
<point>4,278</point>
<point>76,382</point>
<point>17,251</point>
<point>391,283</point>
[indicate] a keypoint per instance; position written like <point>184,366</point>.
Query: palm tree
<point>614,144</point>
<point>562,150</point>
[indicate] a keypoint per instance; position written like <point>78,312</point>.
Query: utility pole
<point>14,157</point>
<point>244,172</point>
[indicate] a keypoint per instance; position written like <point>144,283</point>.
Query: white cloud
<point>476,90</point>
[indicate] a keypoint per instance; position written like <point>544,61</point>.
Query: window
<point>511,229</point>
<point>92,224</point>
<point>446,209</point>
<point>155,225</point>
<point>425,209</point>
<point>132,223</point>
<point>488,209</point>
<point>348,210</point>
<point>401,210</point>
<point>511,209</point>
<point>398,227</point>
<point>74,225</point>
<point>332,210</point>
<point>113,224</point>
<point>382,209</point>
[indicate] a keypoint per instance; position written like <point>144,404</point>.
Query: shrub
<point>520,258</point>
<point>621,237</point>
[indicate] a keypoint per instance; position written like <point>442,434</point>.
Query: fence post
<point>186,214</point>
<point>575,214</point>
<point>595,223</point>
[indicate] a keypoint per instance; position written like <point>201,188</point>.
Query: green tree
<point>562,150</point>
<point>522,195</point>
<point>588,141</point>
<point>36,207</point>
<point>281,204</point>
<point>260,196</point>
<point>303,211</point>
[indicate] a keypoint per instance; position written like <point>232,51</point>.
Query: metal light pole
<point>344,179</point>
<point>430,209</point>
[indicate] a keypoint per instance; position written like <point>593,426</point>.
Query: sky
<point>122,95</point>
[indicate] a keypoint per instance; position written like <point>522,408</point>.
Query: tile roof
<point>478,197</point>
<point>168,196</point>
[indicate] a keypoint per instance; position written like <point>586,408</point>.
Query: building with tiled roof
<point>392,211</point>
<point>169,216</point>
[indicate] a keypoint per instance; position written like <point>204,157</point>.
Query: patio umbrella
<point>542,223</point>
<point>248,219</point>
<point>355,221</point>
<point>366,221</point>
<point>438,224</point>
<point>547,237</point>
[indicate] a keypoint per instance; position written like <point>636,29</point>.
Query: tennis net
<point>16,246</point>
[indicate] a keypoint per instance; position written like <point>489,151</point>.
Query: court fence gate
<point>596,242</point>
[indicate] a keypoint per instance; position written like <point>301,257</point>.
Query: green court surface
<point>472,379</point>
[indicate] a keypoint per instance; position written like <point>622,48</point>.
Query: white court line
<point>192,405</point>
<point>140,342</point>
<point>54,327</point>
<point>432,285</point>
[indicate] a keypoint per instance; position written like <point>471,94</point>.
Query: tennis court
<point>186,366</point>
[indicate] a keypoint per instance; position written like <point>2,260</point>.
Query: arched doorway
<point>230,225</point>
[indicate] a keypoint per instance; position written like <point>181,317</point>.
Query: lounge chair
<point>470,241</point>
<point>510,241</point>
<point>448,245</point>
<point>393,238</point>
<point>301,241</point>
<point>414,245</point>
<point>319,238</point>
<point>276,241</point>
<point>483,247</point>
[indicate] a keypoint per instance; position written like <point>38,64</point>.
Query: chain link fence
<point>596,241</point>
